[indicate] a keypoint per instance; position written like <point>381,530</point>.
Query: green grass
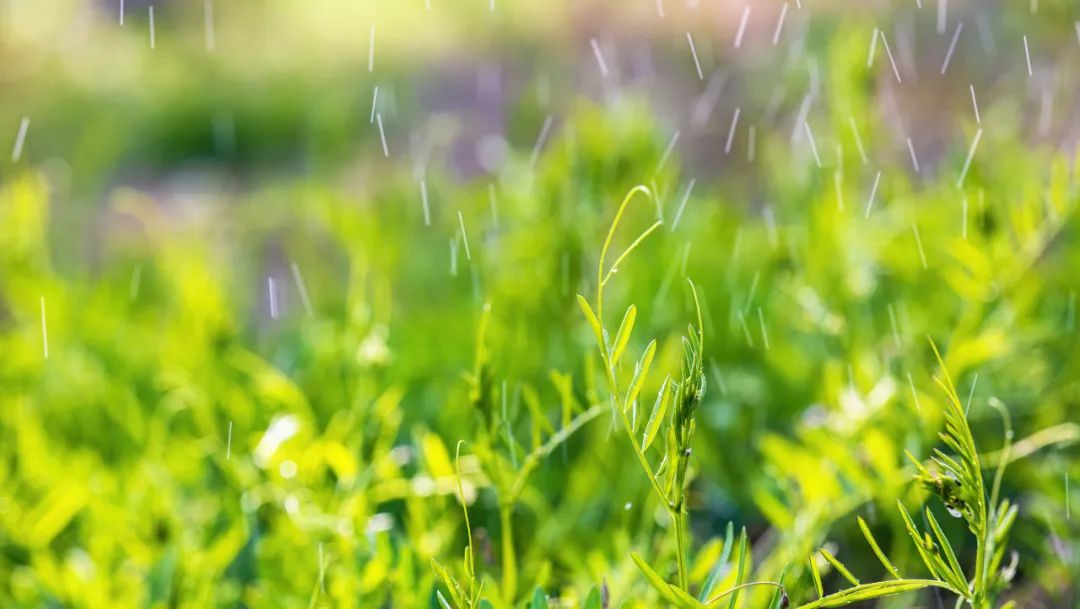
<point>777,400</point>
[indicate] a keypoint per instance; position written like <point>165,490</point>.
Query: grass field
<point>520,304</point>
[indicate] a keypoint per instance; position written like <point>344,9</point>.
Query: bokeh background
<point>260,235</point>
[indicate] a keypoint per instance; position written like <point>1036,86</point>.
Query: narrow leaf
<point>623,335</point>
<point>866,592</point>
<point>917,538</point>
<point>1005,522</point>
<point>670,593</point>
<point>780,596</point>
<point>839,566</point>
<point>945,546</point>
<point>657,417</point>
<point>742,567</point>
<point>640,373</point>
<point>729,540</point>
<point>593,600</point>
<point>539,599</point>
<point>456,591</point>
<point>817,578</point>
<point>593,323</point>
<point>877,549</point>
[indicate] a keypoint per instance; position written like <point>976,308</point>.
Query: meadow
<point>481,304</point>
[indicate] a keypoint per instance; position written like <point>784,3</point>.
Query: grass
<point>683,393</point>
<point>958,481</point>
<point>249,359</point>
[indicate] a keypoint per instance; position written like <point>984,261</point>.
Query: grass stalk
<point>509,558</point>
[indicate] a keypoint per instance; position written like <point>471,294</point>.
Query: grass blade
<point>839,566</point>
<point>594,323</point>
<point>779,600</point>
<point>729,540</point>
<point>623,335</point>
<point>943,541</point>
<point>593,600</point>
<point>817,578</point>
<point>917,538</point>
<point>670,593</point>
<point>742,567</point>
<point>640,373</point>
<point>539,599</point>
<point>877,549</point>
<point>865,592</point>
<point>663,399</point>
<point>456,591</point>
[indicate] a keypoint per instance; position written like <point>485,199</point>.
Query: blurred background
<point>245,248</point>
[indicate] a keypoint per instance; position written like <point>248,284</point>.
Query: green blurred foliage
<point>181,447</point>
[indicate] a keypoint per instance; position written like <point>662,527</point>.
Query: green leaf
<point>640,372</point>
<point>877,549</point>
<point>670,593</point>
<point>539,599</point>
<point>468,560</point>
<point>593,600</point>
<point>866,592</point>
<point>623,335</point>
<point>594,323</point>
<point>442,600</point>
<point>927,550</point>
<point>966,468</point>
<point>729,540</point>
<point>742,567</point>
<point>456,591</point>
<point>817,578</point>
<point>780,596</point>
<point>839,566</point>
<point>1005,522</point>
<point>943,541</point>
<point>917,538</point>
<point>663,399</point>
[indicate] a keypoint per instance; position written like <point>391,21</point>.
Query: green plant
<point>498,453</point>
<point>179,447</point>
<point>682,396</point>
<point>465,596</point>
<point>957,479</point>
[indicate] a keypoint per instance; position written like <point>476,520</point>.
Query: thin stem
<point>641,457</point>
<point>700,324</point>
<point>619,402</point>
<point>470,569</point>
<point>607,244</point>
<point>680,547</point>
<point>630,248</point>
<point>533,459</point>
<point>980,525</point>
<point>877,590</point>
<point>1059,435</point>
<point>610,373</point>
<point>978,583</point>
<point>1006,421</point>
<point>509,559</point>
<point>744,586</point>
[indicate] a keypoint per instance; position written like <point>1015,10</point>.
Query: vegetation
<point>270,338</point>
